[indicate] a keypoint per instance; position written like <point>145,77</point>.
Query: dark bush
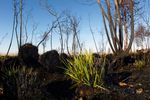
<point>10,62</point>
<point>10,88</point>
<point>50,61</point>
<point>63,58</point>
<point>96,60</point>
<point>96,55</point>
<point>128,60</point>
<point>28,55</point>
<point>121,61</point>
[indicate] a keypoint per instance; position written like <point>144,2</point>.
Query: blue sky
<point>40,16</point>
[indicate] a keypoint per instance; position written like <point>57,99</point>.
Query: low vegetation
<point>84,76</point>
<point>139,64</point>
<point>81,70</point>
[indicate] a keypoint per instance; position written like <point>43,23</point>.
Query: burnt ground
<point>141,83</point>
<point>135,87</point>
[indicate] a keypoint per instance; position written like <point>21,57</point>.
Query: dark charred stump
<point>28,55</point>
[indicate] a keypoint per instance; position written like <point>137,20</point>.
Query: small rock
<point>139,91</point>
<point>122,84</point>
<point>139,84</point>
<point>130,85</point>
<point>80,98</point>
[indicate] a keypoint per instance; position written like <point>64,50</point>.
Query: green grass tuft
<point>81,70</point>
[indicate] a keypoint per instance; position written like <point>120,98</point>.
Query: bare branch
<point>54,25</point>
<point>33,31</point>
<point>93,35</point>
